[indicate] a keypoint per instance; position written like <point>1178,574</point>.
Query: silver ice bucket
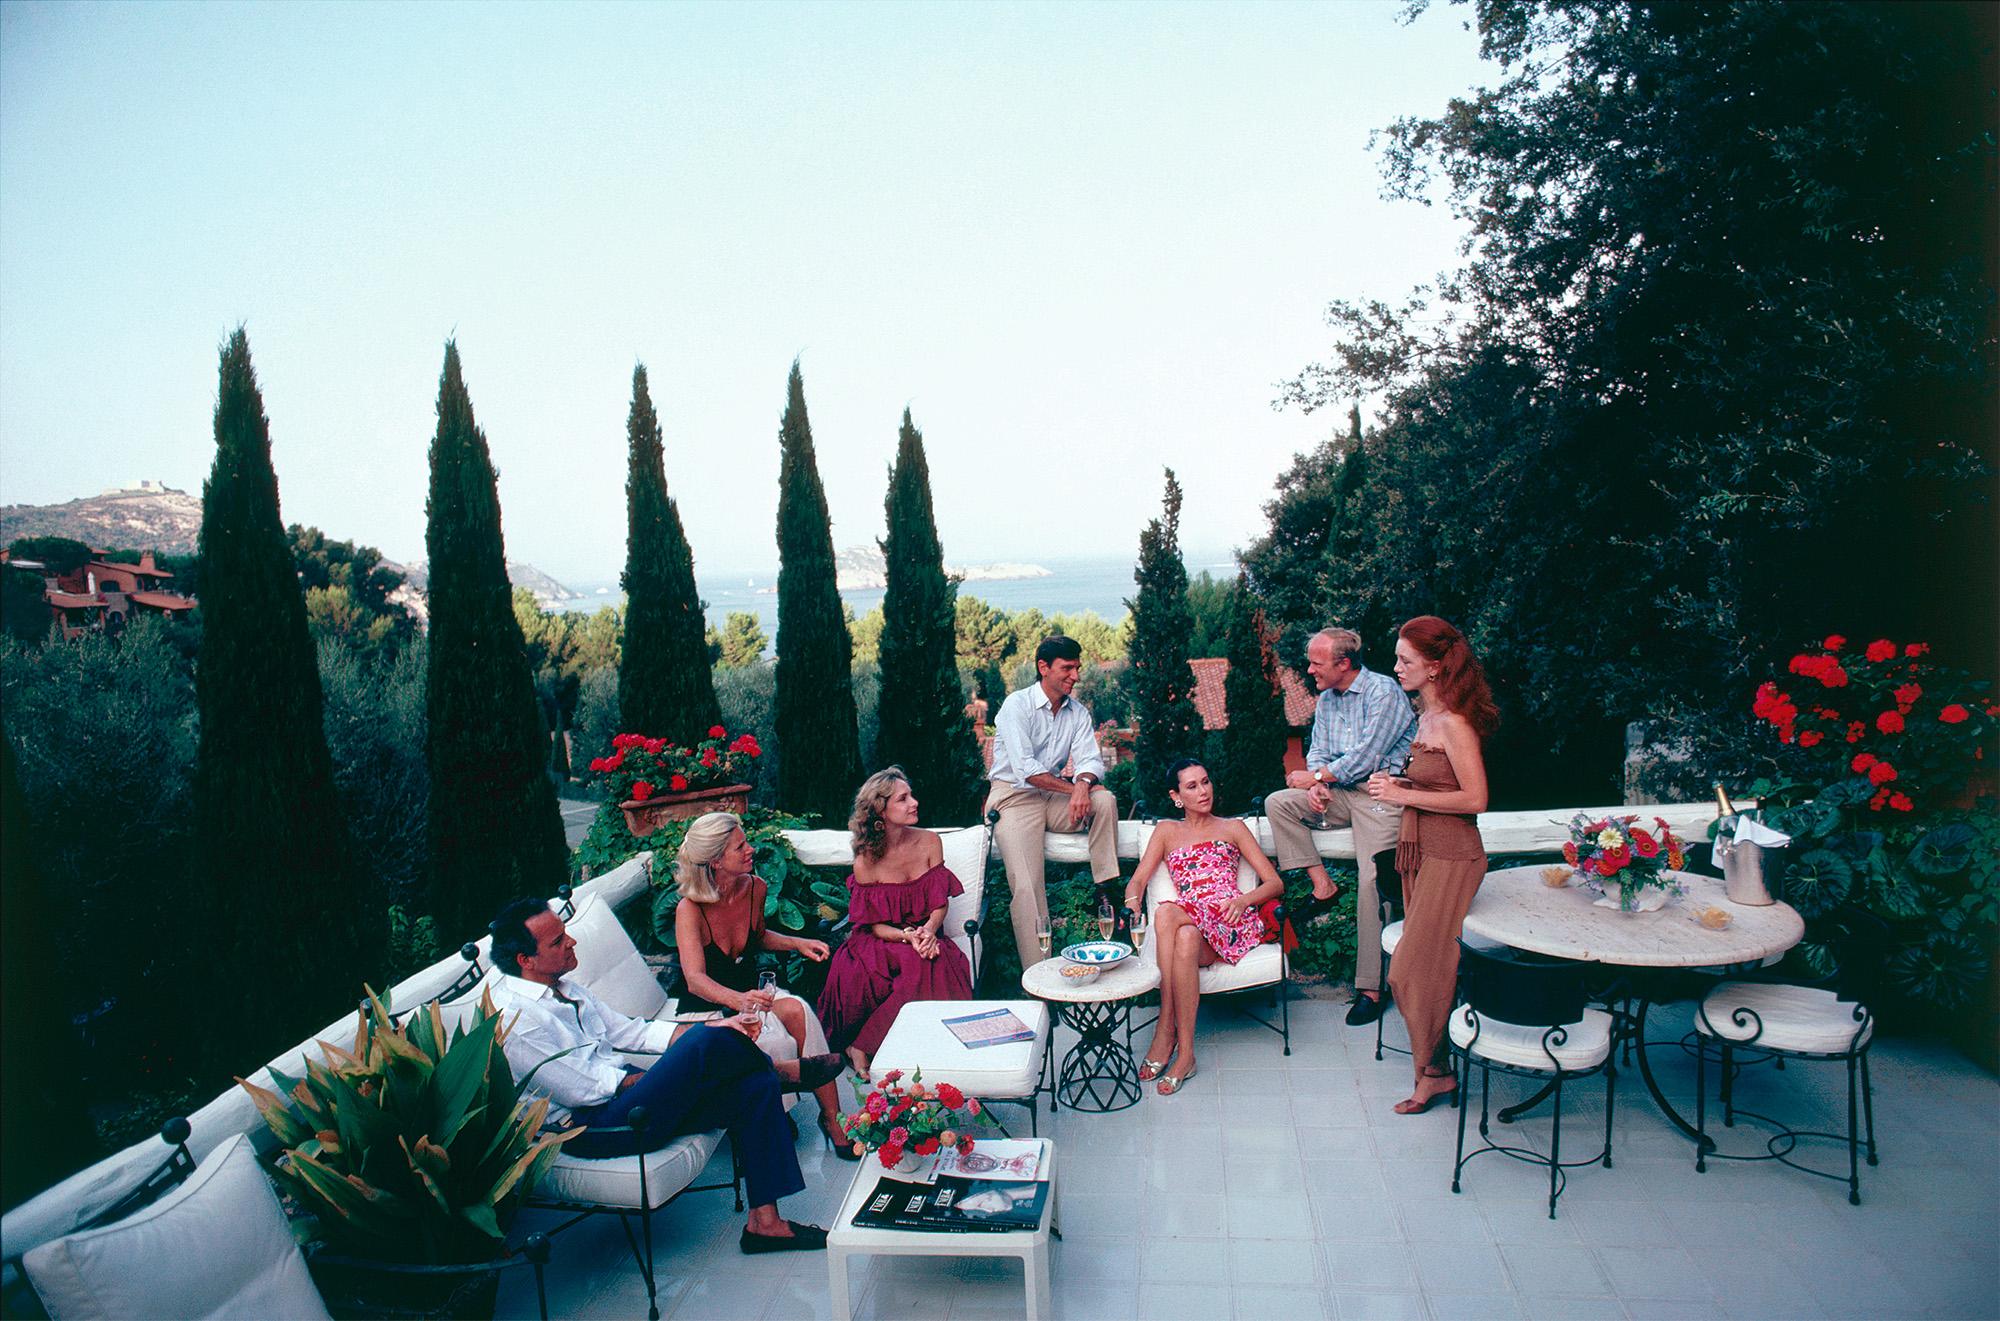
<point>1747,875</point>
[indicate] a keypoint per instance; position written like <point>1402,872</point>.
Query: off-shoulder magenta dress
<point>871,979</point>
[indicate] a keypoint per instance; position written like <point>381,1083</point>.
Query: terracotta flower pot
<point>643,818</point>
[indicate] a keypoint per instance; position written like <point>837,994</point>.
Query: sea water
<point>1101,584</point>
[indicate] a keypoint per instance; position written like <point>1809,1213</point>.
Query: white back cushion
<point>217,1246</point>
<point>610,964</point>
<point>965,855</point>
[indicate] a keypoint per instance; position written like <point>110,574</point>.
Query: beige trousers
<point>1293,820</point>
<point>1025,816</point>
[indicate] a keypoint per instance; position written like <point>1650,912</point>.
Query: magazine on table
<point>954,1204</point>
<point>998,1159</point>
<point>995,1027</point>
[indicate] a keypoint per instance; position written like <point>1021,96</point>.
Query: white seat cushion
<point>1588,1041</point>
<point>1799,1018</point>
<point>610,964</point>
<point>965,855</point>
<point>1392,936</point>
<point>217,1246</point>
<point>614,1180</point>
<point>1262,966</point>
<point>919,1039</point>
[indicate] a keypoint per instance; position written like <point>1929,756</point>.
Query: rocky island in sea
<point>863,568</point>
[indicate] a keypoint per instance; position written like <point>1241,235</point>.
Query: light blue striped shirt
<point>1366,729</point>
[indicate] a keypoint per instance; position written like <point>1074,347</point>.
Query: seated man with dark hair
<point>710,1076</point>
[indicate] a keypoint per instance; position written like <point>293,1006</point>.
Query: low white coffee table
<point>846,1239</point>
<point>1098,1074</point>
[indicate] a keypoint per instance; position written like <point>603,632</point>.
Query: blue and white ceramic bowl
<point>1098,954</point>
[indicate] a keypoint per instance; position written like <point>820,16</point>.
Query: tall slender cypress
<point>819,741</point>
<point>495,830</point>
<point>1253,743</point>
<point>1162,624</point>
<point>294,927</point>
<point>664,687</point>
<point>923,724</point>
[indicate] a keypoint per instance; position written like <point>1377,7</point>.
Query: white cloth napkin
<point>1756,832</point>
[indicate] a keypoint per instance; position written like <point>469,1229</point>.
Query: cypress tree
<point>819,741</point>
<point>495,831</point>
<point>1253,743</point>
<point>290,923</point>
<point>1162,624</point>
<point>923,727</point>
<point>664,687</point>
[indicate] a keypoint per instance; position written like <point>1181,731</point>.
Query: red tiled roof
<point>162,600</point>
<point>74,600</point>
<point>137,570</point>
<point>1211,673</point>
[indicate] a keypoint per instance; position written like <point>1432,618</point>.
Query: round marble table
<point>1516,907</point>
<point>1098,1073</point>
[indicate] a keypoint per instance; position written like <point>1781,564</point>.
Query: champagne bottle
<point>1723,807</point>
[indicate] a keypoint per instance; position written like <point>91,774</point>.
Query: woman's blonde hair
<point>871,832</point>
<point>694,864</point>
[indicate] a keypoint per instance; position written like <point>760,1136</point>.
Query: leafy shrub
<point>375,732</point>
<point>748,697</point>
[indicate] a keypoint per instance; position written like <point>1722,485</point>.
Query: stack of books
<point>999,1186</point>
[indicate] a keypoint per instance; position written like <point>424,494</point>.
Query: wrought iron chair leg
<point>1853,1140</point>
<point>1610,1105</point>
<point>1700,1105</point>
<point>1556,1144</point>
<point>1464,1081</point>
<point>1485,1091</point>
<point>1378,1017</point>
<point>1868,1107</point>
<point>1728,1085</point>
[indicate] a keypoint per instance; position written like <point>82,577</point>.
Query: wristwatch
<point>1319,775</point>
<point>1085,777</point>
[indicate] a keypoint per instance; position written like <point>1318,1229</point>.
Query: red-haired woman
<point>1440,855</point>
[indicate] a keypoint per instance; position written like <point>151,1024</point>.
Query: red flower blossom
<point>678,783</point>
<point>1954,714</point>
<point>1611,860</point>
<point>1569,853</point>
<point>1834,642</point>
<point>891,1076</point>
<point>889,1155</point>
<point>1890,722</point>
<point>1881,773</point>
<point>927,1147</point>
<point>1881,649</point>
<point>1862,761</point>
<point>965,1146</point>
<point>709,757</point>
<point>642,790</point>
<point>716,731</point>
<point>655,745</point>
<point>1917,649</point>
<point>1855,731</point>
<point>1908,693</point>
<point>1901,802</point>
<point>1881,797</point>
<point>950,1095</point>
<point>1810,738</point>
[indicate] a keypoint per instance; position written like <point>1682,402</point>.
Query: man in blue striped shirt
<point>1363,723</point>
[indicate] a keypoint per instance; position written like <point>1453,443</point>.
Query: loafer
<point>1307,910</point>
<point>816,1071</point>
<point>1365,1010</point>
<point>804,1238</point>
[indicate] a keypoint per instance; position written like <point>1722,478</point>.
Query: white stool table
<point>1013,1071</point>
<point>846,1240</point>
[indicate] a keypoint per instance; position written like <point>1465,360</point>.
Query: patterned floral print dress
<point>1205,879</point>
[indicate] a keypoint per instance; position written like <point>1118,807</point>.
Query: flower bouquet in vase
<point>1628,865</point>
<point>904,1125</point>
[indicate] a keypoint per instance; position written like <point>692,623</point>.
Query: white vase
<point>1649,900</point>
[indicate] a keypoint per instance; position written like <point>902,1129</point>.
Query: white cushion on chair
<point>1392,936</point>
<point>1262,966</point>
<point>1588,1041</point>
<point>614,1180</point>
<point>610,964</point>
<point>965,853</point>
<point>920,1040</point>
<point>217,1246</point>
<point>1797,1018</point>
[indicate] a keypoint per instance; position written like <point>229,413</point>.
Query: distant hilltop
<point>859,568</point>
<point>152,516</point>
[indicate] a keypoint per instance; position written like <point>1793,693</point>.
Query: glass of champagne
<point>767,981</point>
<point>1042,936</point>
<point>1137,928</point>
<point>1106,919</point>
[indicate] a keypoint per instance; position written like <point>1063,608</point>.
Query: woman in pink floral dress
<point>1209,918</point>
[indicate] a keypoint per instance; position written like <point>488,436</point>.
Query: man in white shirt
<point>1041,732</point>
<point>712,1076</point>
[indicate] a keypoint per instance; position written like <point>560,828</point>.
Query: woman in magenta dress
<point>896,903</point>
<point>1209,918</point>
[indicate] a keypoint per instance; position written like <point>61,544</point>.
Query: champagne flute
<point>767,981</point>
<point>1137,927</point>
<point>1042,936</point>
<point>1106,920</point>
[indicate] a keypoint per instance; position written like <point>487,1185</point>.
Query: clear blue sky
<point>1078,241</point>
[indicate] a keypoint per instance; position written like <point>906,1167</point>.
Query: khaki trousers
<point>1293,820</point>
<point>1025,816</point>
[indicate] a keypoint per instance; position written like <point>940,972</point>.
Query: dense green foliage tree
<point>347,592</point>
<point>1253,742</point>
<point>1208,607</point>
<point>817,735</point>
<point>923,727</point>
<point>743,640</point>
<point>290,915</point>
<point>375,731</point>
<point>1719,369</point>
<point>1163,683</point>
<point>495,831</point>
<point>664,688</point>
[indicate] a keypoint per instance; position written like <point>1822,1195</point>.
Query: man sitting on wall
<point>1040,731</point>
<point>710,1076</point>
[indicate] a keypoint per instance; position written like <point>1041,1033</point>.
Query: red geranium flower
<point>641,791</point>
<point>1855,731</point>
<point>708,757</point>
<point>1917,649</point>
<point>1881,797</point>
<point>678,783</point>
<point>1890,722</point>
<point>1834,642</point>
<point>1809,738</point>
<point>1862,761</point>
<point>1908,693</point>
<point>1901,802</point>
<point>1881,773</point>
<point>1881,649</point>
<point>716,731</point>
<point>1954,714</point>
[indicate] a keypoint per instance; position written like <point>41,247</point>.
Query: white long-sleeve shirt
<point>1031,737</point>
<point>541,1026</point>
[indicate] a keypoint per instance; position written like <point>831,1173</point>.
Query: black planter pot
<point>360,1287</point>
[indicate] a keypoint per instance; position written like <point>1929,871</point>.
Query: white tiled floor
<point>1282,1189</point>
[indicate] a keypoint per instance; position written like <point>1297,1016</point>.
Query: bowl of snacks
<point>1556,877</point>
<point>1095,955</point>
<point>1712,917</point>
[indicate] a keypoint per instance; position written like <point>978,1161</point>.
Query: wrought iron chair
<point>1528,1017</point>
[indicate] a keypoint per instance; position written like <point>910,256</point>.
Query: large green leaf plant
<point>414,1145</point>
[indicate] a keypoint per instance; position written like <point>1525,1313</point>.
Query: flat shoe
<point>1315,907</point>
<point>1365,1009</point>
<point>1170,1084</point>
<point>804,1238</point>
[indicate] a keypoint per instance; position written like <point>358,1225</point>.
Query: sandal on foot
<point>1412,1106</point>
<point>1170,1084</point>
<point>1151,1069</point>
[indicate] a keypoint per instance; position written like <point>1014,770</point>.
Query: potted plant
<point>654,781</point>
<point>406,1157</point>
<point>902,1125</point>
<point>1625,862</point>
